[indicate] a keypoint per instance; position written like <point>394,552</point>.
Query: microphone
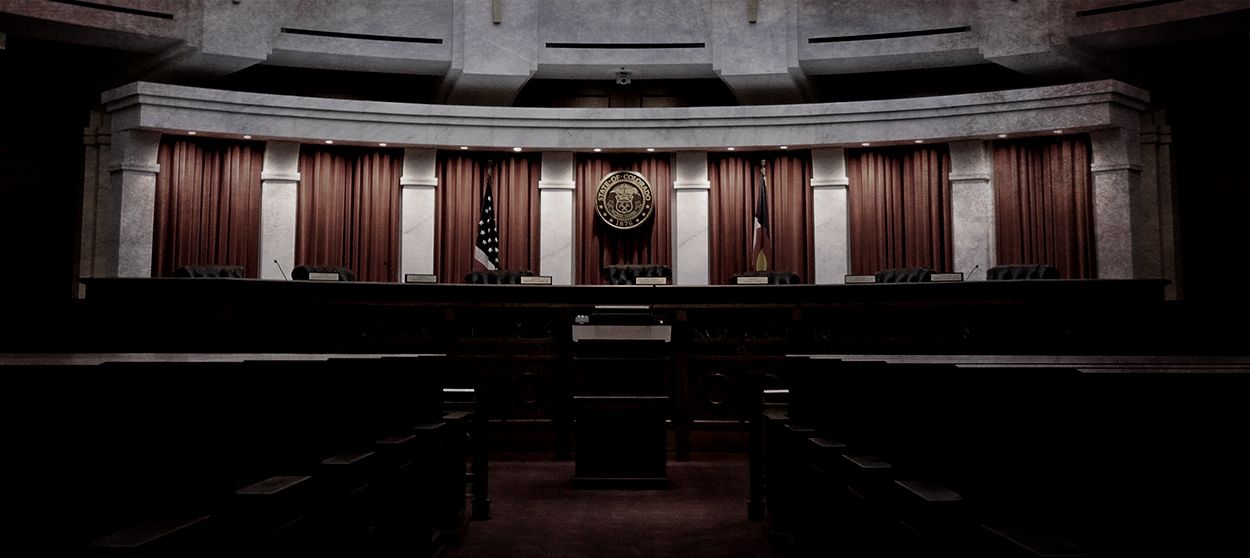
<point>280,270</point>
<point>974,270</point>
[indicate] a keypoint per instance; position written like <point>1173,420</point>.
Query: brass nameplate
<point>947,277</point>
<point>859,279</point>
<point>536,280</point>
<point>420,278</point>
<point>751,280</point>
<point>322,276</point>
<point>651,280</point>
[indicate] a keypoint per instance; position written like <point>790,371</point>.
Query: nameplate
<point>322,276</point>
<point>859,279</point>
<point>536,280</point>
<point>947,277</point>
<point>623,333</point>
<point>420,278</point>
<point>651,280</point>
<point>751,280</point>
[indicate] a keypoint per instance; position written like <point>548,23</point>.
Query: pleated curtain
<point>1043,204</point>
<point>349,210</point>
<point>599,245</point>
<point>516,199</point>
<point>734,192</point>
<point>207,204</point>
<point>900,208</point>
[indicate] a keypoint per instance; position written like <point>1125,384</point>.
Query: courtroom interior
<point>775,278</point>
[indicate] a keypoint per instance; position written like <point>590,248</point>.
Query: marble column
<point>1116,170</point>
<point>830,215</point>
<point>279,204</point>
<point>690,219</point>
<point>126,216</point>
<point>972,208</point>
<point>556,217</point>
<point>416,241</point>
<point>97,147</point>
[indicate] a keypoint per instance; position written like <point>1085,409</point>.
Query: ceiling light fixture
<point>517,149</point>
<point>464,147</point>
<point>784,147</point>
<point>383,144</point>
<point>596,150</point>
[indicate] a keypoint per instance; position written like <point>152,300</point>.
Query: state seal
<point>623,200</point>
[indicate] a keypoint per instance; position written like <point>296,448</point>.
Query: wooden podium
<point>622,380</point>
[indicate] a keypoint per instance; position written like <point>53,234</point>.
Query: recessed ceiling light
<point>247,137</point>
<point>596,150</point>
<point>1058,131</point>
<point>650,149</point>
<point>1002,135</point>
<point>919,141</point>
<point>329,141</point>
<point>190,133</point>
<point>731,148</point>
<point>784,147</point>
<point>517,149</point>
<point>865,144</point>
<point>383,144</point>
<point>464,147</point>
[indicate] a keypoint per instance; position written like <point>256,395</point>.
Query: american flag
<point>486,250</point>
<point>760,245</point>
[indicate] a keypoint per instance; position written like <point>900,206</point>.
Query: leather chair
<point>905,275</point>
<point>774,277</point>
<point>300,273</point>
<point>626,274</point>
<point>500,277</point>
<point>1021,272</point>
<point>210,271</point>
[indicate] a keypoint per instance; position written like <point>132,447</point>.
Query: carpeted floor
<point>535,511</point>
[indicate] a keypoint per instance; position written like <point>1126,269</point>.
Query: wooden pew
<point>1037,450</point>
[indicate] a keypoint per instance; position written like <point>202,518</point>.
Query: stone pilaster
<point>416,242</point>
<point>690,219</point>
<point>556,218</point>
<point>972,208</point>
<point>830,215</point>
<point>279,205</point>
<point>126,217</point>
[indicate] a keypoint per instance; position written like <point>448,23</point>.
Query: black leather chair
<point>627,274</point>
<point>774,277</point>
<point>1021,272</point>
<point>210,271</point>
<point>905,275</point>
<point>499,277</point>
<point>300,273</point>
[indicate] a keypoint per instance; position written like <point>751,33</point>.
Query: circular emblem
<point>623,200</point>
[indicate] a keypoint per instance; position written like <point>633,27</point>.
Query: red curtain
<point>734,180</point>
<point>207,204</point>
<point>900,208</point>
<point>1043,204</point>
<point>599,245</point>
<point>349,210</point>
<point>515,189</point>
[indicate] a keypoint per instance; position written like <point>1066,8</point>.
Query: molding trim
<point>408,181</point>
<point>692,185</point>
<point>1088,106</point>
<point>969,177</point>
<point>831,182</point>
<point>556,185</point>
<point>280,176</point>
<point>134,167</point>
<point>1115,168</point>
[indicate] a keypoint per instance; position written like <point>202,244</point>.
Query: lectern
<point>622,367</point>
